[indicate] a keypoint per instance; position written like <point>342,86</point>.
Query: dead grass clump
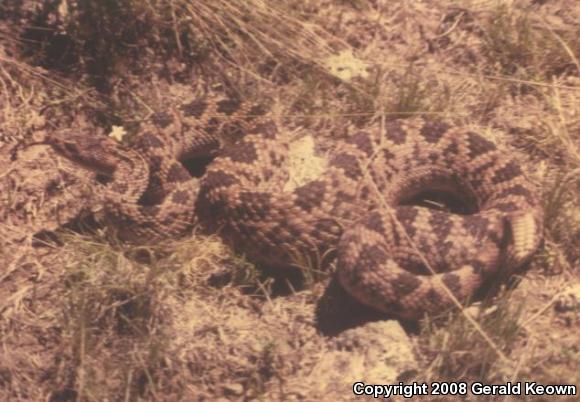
<point>526,46</point>
<point>455,349</point>
<point>20,98</point>
<point>105,38</point>
<point>31,100</point>
<point>240,30</point>
<point>108,303</point>
<point>116,313</point>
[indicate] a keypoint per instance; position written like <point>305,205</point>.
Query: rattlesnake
<point>380,241</point>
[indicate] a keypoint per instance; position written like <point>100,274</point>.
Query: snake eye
<point>70,147</point>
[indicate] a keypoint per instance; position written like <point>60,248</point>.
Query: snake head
<point>91,151</point>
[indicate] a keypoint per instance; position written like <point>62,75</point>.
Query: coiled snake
<point>357,206</point>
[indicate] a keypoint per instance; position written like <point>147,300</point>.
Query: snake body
<point>357,208</point>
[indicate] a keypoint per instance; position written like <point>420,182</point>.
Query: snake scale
<point>356,209</point>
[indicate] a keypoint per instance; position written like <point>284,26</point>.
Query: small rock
<point>233,389</point>
<point>377,353</point>
<point>385,347</point>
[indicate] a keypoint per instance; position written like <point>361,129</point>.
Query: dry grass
<point>88,319</point>
<point>528,48</point>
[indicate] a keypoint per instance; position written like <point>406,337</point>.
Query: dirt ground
<point>85,317</point>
